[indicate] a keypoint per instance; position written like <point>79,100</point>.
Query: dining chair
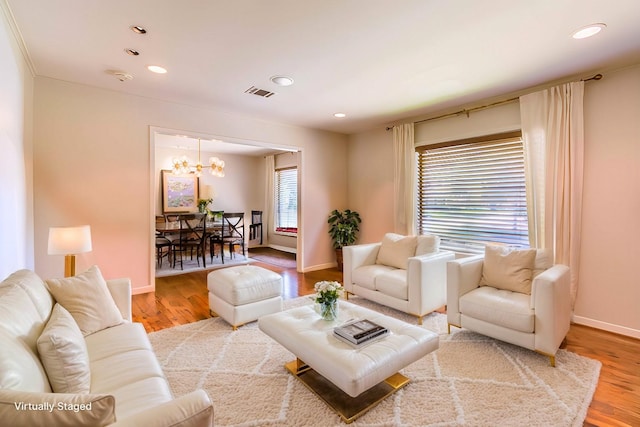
<point>256,225</point>
<point>233,231</point>
<point>235,236</point>
<point>192,235</point>
<point>163,244</point>
<point>216,234</point>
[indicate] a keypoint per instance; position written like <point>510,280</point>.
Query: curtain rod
<point>495,104</point>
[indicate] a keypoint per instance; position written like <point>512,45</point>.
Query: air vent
<point>260,92</point>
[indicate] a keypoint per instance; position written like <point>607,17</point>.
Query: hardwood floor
<point>616,402</point>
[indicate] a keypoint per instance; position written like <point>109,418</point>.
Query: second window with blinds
<point>472,192</point>
<point>286,201</point>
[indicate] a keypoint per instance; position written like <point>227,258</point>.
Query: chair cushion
<point>64,353</point>
<point>87,298</point>
<point>393,283</point>
<point>396,249</point>
<point>499,307</point>
<point>427,243</point>
<point>365,276</point>
<point>509,269</point>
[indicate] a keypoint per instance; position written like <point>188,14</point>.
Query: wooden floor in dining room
<point>183,299</point>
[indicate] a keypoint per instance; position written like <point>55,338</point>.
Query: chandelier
<point>181,165</point>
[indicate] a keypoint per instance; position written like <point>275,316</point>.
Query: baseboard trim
<point>284,249</point>
<point>143,289</point>
<point>609,327</point>
<point>319,267</point>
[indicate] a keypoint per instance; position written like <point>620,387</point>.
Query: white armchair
<point>407,273</point>
<point>537,321</point>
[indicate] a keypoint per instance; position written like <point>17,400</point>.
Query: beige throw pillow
<point>544,261</point>
<point>427,243</point>
<point>63,353</point>
<point>508,269</point>
<point>87,298</point>
<point>396,249</point>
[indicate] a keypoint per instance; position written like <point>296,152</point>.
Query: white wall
<point>502,118</point>
<point>371,182</point>
<point>16,166</point>
<point>280,240</point>
<point>609,288</point>
<point>92,166</point>
<point>609,284</point>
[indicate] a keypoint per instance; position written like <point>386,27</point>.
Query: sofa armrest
<point>427,281</point>
<point>463,275</point>
<point>191,410</point>
<point>34,409</point>
<point>551,301</point>
<point>355,256</point>
<point>120,290</point>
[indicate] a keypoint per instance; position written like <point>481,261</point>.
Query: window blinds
<point>473,193</point>
<point>286,200</point>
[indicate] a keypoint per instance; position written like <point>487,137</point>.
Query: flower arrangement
<point>327,294</point>
<point>202,205</point>
<point>327,291</point>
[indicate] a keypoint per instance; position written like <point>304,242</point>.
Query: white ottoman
<point>350,380</point>
<point>244,293</point>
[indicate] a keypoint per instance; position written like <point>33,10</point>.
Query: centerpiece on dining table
<point>327,294</point>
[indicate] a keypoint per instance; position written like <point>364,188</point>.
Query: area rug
<point>470,380</point>
<point>273,257</point>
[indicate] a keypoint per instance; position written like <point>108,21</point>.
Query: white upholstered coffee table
<point>350,380</point>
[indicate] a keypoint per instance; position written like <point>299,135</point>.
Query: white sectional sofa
<point>407,273</point>
<point>94,368</point>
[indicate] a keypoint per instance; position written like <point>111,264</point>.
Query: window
<point>472,192</point>
<point>286,200</point>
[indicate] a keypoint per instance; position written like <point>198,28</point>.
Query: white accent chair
<point>537,321</point>
<point>407,273</point>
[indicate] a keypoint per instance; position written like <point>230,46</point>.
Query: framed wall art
<point>179,192</point>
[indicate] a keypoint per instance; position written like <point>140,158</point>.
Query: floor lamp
<point>69,241</point>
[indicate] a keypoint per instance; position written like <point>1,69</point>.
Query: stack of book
<point>359,332</point>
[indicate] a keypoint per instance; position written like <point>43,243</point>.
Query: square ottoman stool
<point>244,293</point>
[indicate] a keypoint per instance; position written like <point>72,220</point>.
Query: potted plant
<point>343,229</point>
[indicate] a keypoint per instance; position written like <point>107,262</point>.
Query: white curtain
<point>404,179</point>
<point>553,134</point>
<point>270,171</point>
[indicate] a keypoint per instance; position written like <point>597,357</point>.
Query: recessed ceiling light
<point>138,29</point>
<point>588,31</point>
<point>282,80</point>
<point>156,69</point>
<point>132,52</point>
<point>339,115</point>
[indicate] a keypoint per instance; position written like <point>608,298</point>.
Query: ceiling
<point>377,61</point>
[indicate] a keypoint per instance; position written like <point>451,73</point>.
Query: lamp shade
<point>69,240</point>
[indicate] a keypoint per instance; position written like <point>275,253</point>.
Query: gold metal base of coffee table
<point>349,408</point>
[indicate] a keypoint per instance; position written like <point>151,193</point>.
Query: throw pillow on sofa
<point>427,244</point>
<point>64,353</point>
<point>396,250</point>
<point>87,298</point>
<point>508,269</point>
